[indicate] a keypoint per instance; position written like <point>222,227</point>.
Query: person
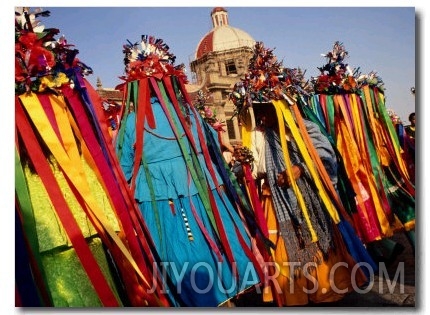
<point>410,129</point>
<point>78,243</point>
<point>288,227</point>
<point>204,252</point>
<point>309,234</point>
<point>227,152</point>
<point>409,146</point>
<point>370,152</point>
<point>57,241</point>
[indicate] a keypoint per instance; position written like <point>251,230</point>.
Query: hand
<point>237,153</point>
<point>283,178</point>
<point>243,155</point>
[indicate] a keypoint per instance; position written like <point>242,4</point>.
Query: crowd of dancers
<point>146,209</point>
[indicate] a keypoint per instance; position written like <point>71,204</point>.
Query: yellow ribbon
<point>68,158</point>
<point>362,167</point>
<point>248,124</point>
<point>289,119</point>
<point>393,136</point>
<point>281,108</point>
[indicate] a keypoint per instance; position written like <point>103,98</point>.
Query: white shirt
<point>258,145</point>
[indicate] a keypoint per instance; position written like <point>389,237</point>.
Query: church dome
<point>222,36</point>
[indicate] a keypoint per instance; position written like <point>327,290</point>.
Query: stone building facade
<point>221,59</point>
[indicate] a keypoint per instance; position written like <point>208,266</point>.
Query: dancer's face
<point>266,116</point>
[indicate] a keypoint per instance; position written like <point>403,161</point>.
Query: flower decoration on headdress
<point>207,113</point>
<point>244,155</point>
<point>150,58</point>
<point>41,62</point>
<point>267,80</point>
<point>241,96</point>
<point>370,79</point>
<point>334,72</point>
<point>336,77</point>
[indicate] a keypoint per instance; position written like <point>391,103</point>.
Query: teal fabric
<point>198,278</point>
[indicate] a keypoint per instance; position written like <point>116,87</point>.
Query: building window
<point>230,67</point>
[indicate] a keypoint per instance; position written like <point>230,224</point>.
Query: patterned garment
<point>292,226</point>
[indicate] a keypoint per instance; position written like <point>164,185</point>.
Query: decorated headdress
<point>149,58</point>
<point>149,63</point>
<point>41,61</point>
<point>337,77</point>
<point>267,79</point>
<point>208,114</point>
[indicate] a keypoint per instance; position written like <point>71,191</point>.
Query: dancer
<point>204,250</point>
<point>301,220</point>
<point>351,106</point>
<point>74,224</point>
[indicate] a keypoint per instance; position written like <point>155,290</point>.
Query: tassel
<point>187,225</point>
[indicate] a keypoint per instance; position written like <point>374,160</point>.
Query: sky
<point>379,39</point>
<point>387,40</point>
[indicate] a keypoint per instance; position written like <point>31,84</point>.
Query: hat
<point>267,79</point>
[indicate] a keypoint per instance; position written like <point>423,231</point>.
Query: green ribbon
<point>131,86</point>
<point>28,220</point>
<point>192,162</point>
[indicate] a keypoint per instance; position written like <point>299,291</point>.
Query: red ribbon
<point>136,232</point>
